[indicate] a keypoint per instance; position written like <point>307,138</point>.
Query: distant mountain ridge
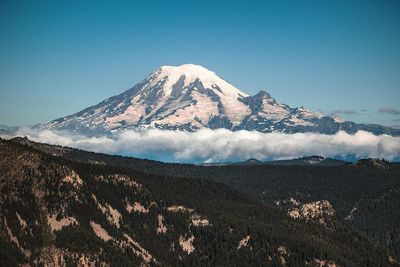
<point>190,97</point>
<point>304,161</point>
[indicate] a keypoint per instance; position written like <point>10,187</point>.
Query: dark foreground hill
<point>61,206</point>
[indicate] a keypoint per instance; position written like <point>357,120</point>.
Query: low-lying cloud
<point>223,145</point>
<point>344,112</point>
<point>389,111</point>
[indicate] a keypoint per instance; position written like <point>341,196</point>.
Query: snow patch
<point>191,73</point>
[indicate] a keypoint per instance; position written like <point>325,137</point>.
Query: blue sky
<point>57,57</point>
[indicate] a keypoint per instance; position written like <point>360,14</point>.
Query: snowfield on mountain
<point>190,97</point>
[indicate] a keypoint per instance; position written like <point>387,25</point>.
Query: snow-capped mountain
<point>190,97</point>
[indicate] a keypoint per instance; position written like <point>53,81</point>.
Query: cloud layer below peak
<point>223,145</point>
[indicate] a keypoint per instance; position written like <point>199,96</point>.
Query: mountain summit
<point>190,97</point>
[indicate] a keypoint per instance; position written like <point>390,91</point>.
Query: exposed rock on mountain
<point>190,97</point>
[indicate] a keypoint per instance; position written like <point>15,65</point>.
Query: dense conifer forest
<point>67,207</point>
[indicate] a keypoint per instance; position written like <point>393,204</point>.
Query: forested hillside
<point>66,206</point>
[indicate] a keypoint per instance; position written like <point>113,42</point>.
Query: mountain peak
<point>263,94</point>
<point>187,74</point>
<point>187,69</point>
<point>191,97</point>
<point>190,71</point>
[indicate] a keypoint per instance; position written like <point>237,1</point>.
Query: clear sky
<point>57,57</point>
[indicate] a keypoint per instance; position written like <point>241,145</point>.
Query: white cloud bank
<point>223,145</point>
